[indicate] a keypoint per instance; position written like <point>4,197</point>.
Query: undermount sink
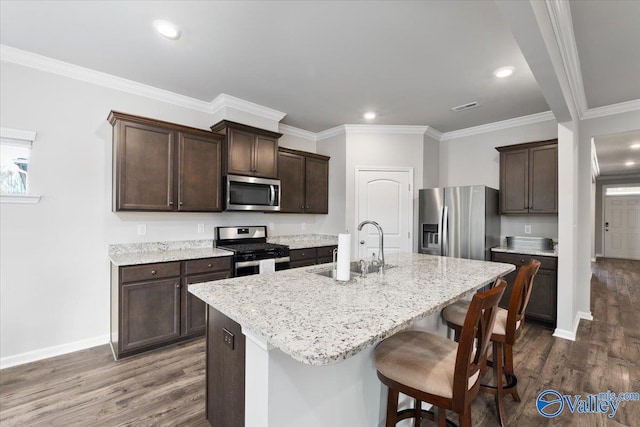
<point>354,270</point>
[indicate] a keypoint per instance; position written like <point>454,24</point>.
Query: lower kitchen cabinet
<point>542,307</point>
<point>310,256</point>
<point>152,307</point>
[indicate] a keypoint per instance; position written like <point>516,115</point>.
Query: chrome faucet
<point>380,241</point>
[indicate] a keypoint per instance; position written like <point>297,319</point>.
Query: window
<point>623,191</point>
<point>15,152</point>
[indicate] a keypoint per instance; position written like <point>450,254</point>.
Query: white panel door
<point>622,227</point>
<point>384,196</point>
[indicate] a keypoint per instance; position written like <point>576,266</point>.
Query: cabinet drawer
<point>207,265</point>
<point>302,263</point>
<point>201,278</point>
<point>546,263</point>
<point>300,254</point>
<point>149,271</point>
<point>326,252</point>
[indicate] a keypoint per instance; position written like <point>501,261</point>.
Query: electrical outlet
<point>527,229</point>
<point>142,229</point>
<point>200,228</point>
<point>227,338</point>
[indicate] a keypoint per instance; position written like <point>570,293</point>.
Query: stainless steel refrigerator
<point>460,222</point>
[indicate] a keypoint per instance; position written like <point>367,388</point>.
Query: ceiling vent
<point>465,106</point>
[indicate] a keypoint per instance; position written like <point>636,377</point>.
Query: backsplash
<point>541,225</point>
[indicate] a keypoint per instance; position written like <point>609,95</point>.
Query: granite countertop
<point>319,321</point>
<point>527,251</point>
<point>302,241</point>
<point>145,253</point>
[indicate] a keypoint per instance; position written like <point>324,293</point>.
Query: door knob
<point>362,242</point>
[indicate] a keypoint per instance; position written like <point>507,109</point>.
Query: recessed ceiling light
<point>629,163</point>
<point>504,72</point>
<point>167,29</point>
<point>369,115</point>
<point>635,146</point>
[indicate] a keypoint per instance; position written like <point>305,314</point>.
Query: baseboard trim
<point>570,335</point>
<point>45,353</point>
<point>586,315</point>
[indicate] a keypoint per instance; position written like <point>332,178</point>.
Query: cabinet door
<point>291,175</point>
<point>193,308</point>
<point>543,179</point>
<point>144,160</point>
<point>514,181</point>
<point>265,163</point>
<point>150,313</point>
<point>240,147</point>
<point>317,186</point>
<point>199,173</point>
<point>542,305</point>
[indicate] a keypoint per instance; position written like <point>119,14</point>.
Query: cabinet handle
<point>170,203</point>
<point>180,203</point>
<point>153,272</point>
<point>178,286</point>
<point>521,261</point>
<point>307,206</point>
<point>209,265</point>
<point>302,207</point>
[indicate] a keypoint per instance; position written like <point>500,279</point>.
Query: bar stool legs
<point>506,381</point>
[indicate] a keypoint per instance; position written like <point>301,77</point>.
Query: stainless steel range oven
<point>249,246</point>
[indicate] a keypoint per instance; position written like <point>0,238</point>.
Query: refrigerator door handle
<point>445,231</point>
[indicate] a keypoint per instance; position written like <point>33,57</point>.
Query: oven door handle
<point>257,262</point>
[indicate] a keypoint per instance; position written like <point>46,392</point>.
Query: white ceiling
<point>322,63</point>
<point>614,150</point>
<point>607,37</point>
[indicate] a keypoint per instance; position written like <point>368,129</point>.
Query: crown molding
<point>300,133</point>
<point>504,124</point>
<point>330,133</point>
<point>227,101</point>
<point>433,133</point>
<point>43,63</point>
<point>400,129</point>
<point>608,110</point>
<point>17,134</point>
<point>562,24</point>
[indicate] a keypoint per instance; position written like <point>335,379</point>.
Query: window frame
<point>22,138</point>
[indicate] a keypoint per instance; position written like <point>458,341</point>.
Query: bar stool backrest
<point>473,345</point>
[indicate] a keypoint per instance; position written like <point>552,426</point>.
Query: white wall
<point>335,221</point>
<point>384,150</point>
<point>473,160</point>
<point>54,271</point>
<point>431,163</point>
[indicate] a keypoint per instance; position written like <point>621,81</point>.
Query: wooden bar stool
<point>433,369</point>
<point>506,331</point>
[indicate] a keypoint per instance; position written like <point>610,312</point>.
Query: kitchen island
<point>308,340</point>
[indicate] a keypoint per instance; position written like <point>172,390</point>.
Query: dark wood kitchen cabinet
<point>161,166</point>
<point>248,150</point>
<point>542,308</point>
<point>151,306</point>
<point>304,181</point>
<point>310,256</point>
<point>529,178</point>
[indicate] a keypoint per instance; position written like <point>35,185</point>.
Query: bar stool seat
<point>421,361</point>
<point>456,312</point>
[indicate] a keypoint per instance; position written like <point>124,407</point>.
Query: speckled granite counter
<point>319,321</point>
<point>526,251</point>
<point>305,240</point>
<point>145,253</point>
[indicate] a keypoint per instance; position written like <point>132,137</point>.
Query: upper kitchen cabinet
<point>304,182</point>
<point>529,178</point>
<point>249,151</point>
<point>161,166</point>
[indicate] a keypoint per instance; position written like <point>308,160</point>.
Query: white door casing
<point>384,195</point>
<point>622,227</point>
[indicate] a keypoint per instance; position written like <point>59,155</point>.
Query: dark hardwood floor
<point>166,387</point>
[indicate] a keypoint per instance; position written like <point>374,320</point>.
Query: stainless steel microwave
<point>248,193</point>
